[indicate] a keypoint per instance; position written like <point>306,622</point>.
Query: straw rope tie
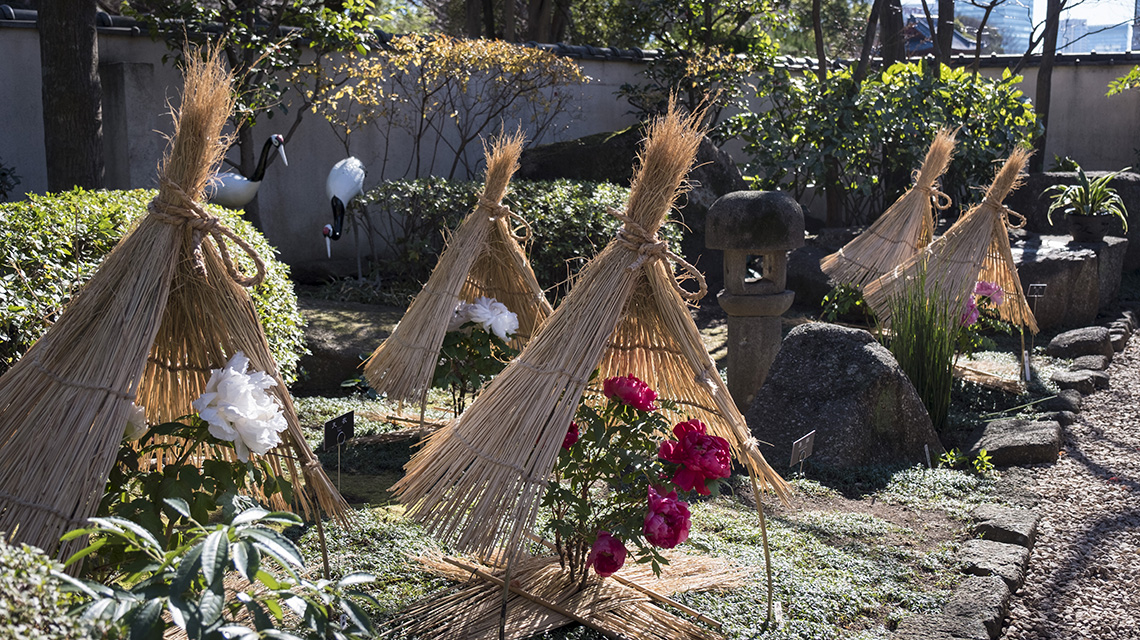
<point>523,475</point>
<point>80,385</point>
<point>648,247</point>
<point>41,507</point>
<point>499,210</point>
<point>190,213</point>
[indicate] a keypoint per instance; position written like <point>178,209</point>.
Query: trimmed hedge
<point>51,245</point>
<point>33,605</point>
<point>568,220</point>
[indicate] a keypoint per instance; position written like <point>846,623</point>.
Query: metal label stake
<point>1035,291</point>
<point>801,449</point>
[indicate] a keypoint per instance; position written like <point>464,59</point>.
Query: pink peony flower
<point>629,390</point>
<point>969,313</point>
<point>991,291</point>
<point>667,522</point>
<point>607,555</point>
<point>571,436</point>
<point>700,455</point>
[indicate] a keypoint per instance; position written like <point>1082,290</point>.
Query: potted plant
<point>1089,205</point>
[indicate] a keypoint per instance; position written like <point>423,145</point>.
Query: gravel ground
<point>1084,574</point>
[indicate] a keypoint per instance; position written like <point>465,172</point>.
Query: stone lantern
<point>756,230</point>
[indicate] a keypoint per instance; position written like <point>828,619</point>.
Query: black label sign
<point>339,430</point>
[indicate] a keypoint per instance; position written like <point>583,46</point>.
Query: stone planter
<point>1090,228</point>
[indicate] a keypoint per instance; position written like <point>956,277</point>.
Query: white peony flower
<point>459,318</point>
<point>238,408</point>
<point>494,316</point>
<point>505,323</point>
<point>482,311</point>
<point>136,423</point>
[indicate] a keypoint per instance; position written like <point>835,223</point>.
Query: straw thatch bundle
<point>975,248</point>
<point>164,308</point>
<point>627,606</point>
<point>901,232</point>
<point>479,480</point>
<point>482,258</point>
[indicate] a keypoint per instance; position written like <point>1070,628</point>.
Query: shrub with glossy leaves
<point>51,245</point>
<point>881,128</point>
<point>568,220</point>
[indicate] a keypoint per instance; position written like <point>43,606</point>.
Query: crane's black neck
<point>259,172</point>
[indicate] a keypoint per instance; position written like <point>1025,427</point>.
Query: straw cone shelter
<point>482,259</point>
<point>903,230</point>
<point>479,480</point>
<point>166,307</point>
<point>975,248</point>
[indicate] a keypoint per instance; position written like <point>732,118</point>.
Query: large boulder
<point>610,157</point>
<point>851,391</point>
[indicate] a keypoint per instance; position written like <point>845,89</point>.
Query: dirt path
<point>1084,575</point>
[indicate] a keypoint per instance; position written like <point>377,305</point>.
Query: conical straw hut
<point>903,230</point>
<point>478,481</point>
<point>165,307</point>
<point>482,258</point>
<point>975,248</point>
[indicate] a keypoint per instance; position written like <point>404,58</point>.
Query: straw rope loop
<point>499,210</point>
<point>649,247</point>
<point>939,200</point>
<point>190,213</point>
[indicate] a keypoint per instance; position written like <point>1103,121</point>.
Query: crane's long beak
<point>328,246</point>
<point>281,152</point>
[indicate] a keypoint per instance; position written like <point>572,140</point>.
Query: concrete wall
<point>1099,132</point>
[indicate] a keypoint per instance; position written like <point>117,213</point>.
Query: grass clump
<point>923,339</point>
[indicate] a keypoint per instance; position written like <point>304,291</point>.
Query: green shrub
<point>881,130</point>
<point>33,605</point>
<point>51,245</point>
<point>566,218</point>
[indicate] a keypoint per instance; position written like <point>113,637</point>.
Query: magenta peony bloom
<point>969,313</point>
<point>667,522</point>
<point>700,455</point>
<point>991,291</point>
<point>607,555</point>
<point>571,436</point>
<point>629,390</point>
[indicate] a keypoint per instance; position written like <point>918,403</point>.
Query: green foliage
<point>192,473</point>
<point>8,181</point>
<point>923,336</point>
<point>445,93</point>
<point>567,220</point>
<point>261,39</point>
<point>51,245</point>
<point>982,464</point>
<point>468,359</point>
<point>706,49</point>
<point>882,127</point>
<point>190,583</point>
<point>1130,80</point>
<point>33,604</point>
<point>845,302</point>
<point>1088,197</point>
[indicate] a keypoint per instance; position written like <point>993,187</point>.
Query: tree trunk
<point>509,20</point>
<point>472,26</point>
<point>946,30</point>
<point>72,94</point>
<point>489,17</point>
<point>892,47</point>
<point>1045,79</point>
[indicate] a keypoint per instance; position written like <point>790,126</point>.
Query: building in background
<point>1007,30</point>
<point>1078,36</point>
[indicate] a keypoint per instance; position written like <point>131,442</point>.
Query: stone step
<point>988,558</point>
<point>1015,441</point>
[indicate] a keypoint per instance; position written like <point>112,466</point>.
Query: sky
<point>1095,11</point>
